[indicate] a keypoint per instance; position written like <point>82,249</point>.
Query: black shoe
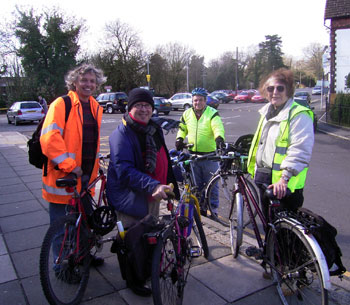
<point>203,212</point>
<point>96,261</point>
<point>139,289</point>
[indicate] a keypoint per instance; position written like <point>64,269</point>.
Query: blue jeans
<point>203,171</point>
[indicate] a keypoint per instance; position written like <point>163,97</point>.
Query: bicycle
<point>66,249</point>
<point>175,249</point>
<point>185,163</point>
<point>224,179</point>
<point>298,266</point>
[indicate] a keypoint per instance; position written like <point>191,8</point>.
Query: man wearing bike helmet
<point>204,129</point>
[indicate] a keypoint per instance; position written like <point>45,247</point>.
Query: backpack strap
<point>68,105</point>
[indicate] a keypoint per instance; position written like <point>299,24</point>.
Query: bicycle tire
<point>236,225</point>
<point>226,186</point>
<point>167,277</point>
<point>66,285</point>
<point>198,230</point>
<point>295,269</point>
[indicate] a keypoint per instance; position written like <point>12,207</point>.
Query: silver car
<point>26,111</point>
<point>181,101</point>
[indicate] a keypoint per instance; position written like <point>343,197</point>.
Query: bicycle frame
<point>245,191</point>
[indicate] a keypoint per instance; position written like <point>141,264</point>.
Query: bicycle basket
<point>243,144</point>
<point>103,219</point>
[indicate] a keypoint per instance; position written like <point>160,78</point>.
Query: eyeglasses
<point>140,106</point>
<point>272,88</point>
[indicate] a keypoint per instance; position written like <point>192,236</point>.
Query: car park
<point>257,98</point>
<point>212,101</point>
<point>244,96</point>
<point>181,101</point>
<point>161,105</point>
<point>25,111</point>
<point>113,101</point>
<point>302,96</point>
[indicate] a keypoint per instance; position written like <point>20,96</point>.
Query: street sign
<point>148,77</point>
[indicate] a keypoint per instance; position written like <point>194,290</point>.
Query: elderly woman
<point>281,149</point>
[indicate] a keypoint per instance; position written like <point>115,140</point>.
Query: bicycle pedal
<point>196,251</point>
<point>254,251</point>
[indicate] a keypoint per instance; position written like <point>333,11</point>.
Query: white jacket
<point>301,141</point>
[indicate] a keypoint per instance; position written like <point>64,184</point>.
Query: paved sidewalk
<point>24,220</point>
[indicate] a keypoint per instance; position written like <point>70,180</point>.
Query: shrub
<point>340,110</point>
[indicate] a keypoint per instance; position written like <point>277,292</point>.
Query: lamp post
<point>236,70</point>
<point>187,67</point>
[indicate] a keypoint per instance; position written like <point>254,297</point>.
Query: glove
<point>179,144</point>
<point>220,143</point>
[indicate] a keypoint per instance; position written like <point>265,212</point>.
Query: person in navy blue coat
<point>140,168</point>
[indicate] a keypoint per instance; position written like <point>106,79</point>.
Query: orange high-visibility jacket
<point>62,143</point>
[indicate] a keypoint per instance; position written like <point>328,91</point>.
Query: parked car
<point>212,101</point>
<point>113,101</point>
<point>316,90</point>
<point>161,104</point>
<point>222,97</point>
<point>257,98</point>
<point>302,96</point>
<point>25,111</point>
<point>244,96</point>
<point>181,101</point>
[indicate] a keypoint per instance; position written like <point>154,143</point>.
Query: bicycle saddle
<point>70,180</point>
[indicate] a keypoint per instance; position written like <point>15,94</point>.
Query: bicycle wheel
<point>225,184</point>
<point>167,272</point>
<point>295,269</point>
<point>64,269</point>
<point>236,225</point>
<point>198,230</point>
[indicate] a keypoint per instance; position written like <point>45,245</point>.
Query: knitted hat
<point>140,95</point>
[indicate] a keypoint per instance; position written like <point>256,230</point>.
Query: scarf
<point>151,149</point>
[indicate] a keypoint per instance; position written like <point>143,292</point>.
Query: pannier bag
<point>325,235</point>
<point>134,252</point>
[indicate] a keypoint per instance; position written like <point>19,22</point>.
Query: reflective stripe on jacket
<point>282,144</point>
<point>62,143</point>
<point>203,132</point>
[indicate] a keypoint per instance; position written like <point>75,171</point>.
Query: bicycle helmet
<point>199,91</point>
<point>103,220</point>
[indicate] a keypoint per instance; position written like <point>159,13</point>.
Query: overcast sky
<point>209,27</point>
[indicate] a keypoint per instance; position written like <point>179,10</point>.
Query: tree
<point>313,59</point>
<point>176,56</point>
<point>270,55</point>
<point>196,70</point>
<point>158,69</point>
<point>122,60</point>
<point>48,49</point>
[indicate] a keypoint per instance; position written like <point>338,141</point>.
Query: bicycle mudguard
<point>315,247</point>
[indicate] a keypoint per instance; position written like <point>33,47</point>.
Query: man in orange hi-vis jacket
<point>72,145</point>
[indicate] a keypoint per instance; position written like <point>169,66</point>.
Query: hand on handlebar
<point>179,144</point>
<point>160,192</point>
